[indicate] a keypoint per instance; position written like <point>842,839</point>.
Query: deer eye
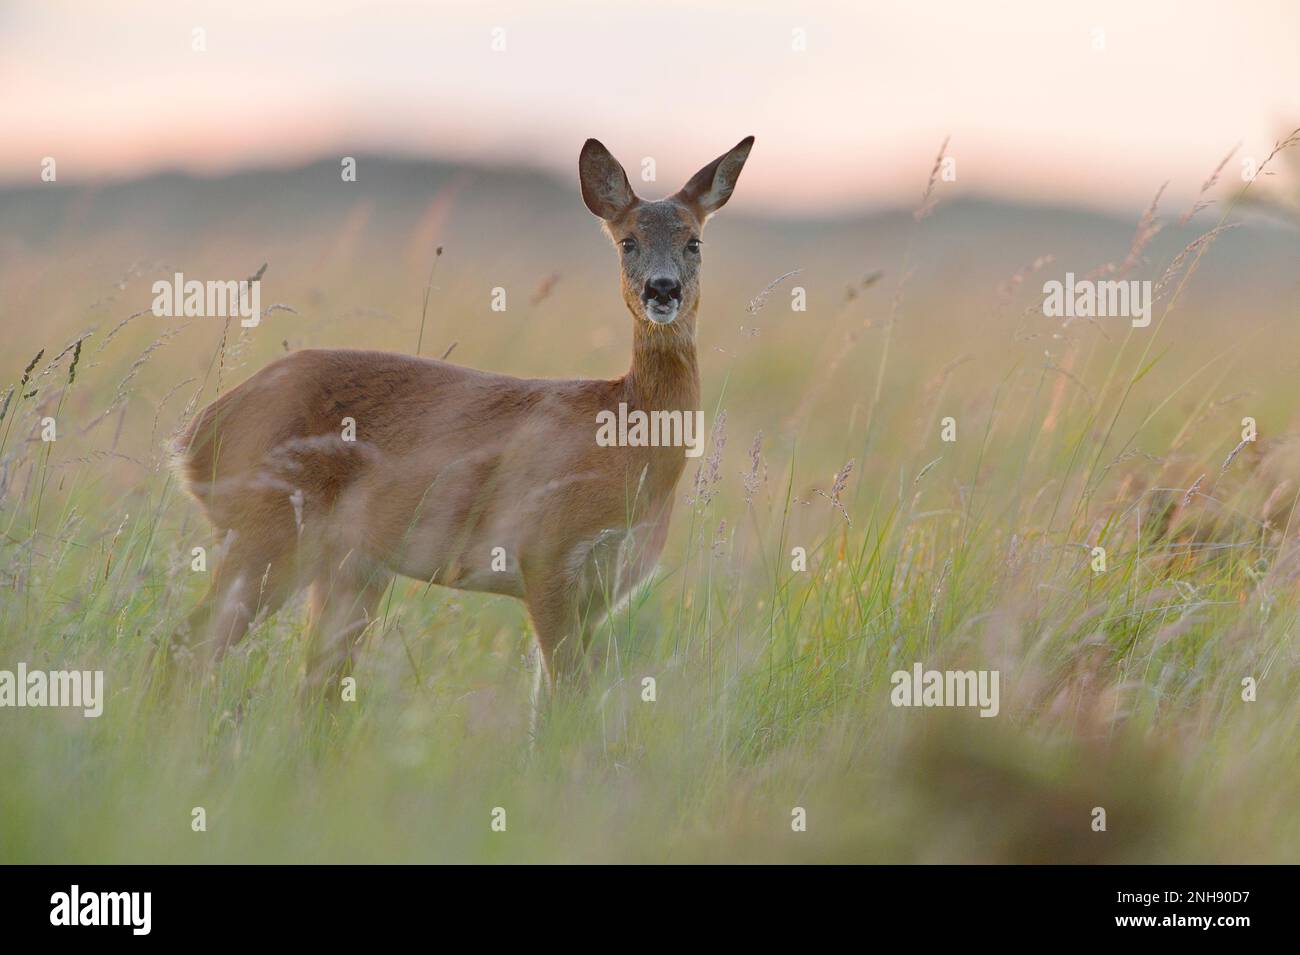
<point>628,244</point>
<point>693,246</point>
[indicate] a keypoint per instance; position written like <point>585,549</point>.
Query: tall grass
<point>1121,689</point>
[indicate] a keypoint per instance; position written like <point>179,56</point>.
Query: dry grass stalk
<point>1201,202</point>
<point>928,200</point>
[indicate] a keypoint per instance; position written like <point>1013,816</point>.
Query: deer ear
<point>605,188</point>
<point>710,188</point>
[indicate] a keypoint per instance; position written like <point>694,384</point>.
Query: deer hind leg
<point>345,596</point>
<point>254,576</point>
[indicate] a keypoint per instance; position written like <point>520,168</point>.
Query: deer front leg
<point>562,638</point>
<point>567,599</point>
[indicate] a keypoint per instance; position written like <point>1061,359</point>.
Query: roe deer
<point>450,467</point>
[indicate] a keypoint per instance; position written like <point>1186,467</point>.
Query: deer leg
<point>604,581</point>
<point>254,576</point>
<point>563,634</point>
<point>564,614</point>
<point>344,601</point>
<point>555,623</point>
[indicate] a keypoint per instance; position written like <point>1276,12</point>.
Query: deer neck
<point>665,373</point>
<point>665,376</point>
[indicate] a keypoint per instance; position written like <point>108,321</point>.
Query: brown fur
<point>450,463</point>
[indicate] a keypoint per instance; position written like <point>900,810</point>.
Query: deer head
<point>659,241</point>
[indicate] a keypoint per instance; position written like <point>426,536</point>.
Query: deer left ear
<point>711,187</point>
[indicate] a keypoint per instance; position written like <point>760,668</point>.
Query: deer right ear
<point>605,188</point>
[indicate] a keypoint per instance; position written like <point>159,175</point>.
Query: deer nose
<point>663,290</point>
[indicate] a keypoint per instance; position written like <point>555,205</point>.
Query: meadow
<point>1121,677</point>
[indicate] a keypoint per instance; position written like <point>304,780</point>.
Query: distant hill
<point>490,214</point>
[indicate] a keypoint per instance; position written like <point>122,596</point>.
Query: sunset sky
<point>852,120</point>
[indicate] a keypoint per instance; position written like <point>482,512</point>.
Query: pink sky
<point>854,119</point>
